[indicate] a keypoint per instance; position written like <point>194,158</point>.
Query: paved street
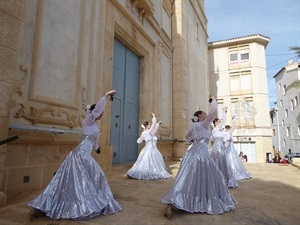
<point>271,197</point>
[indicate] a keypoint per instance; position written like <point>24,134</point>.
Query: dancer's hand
<point>225,109</point>
<point>98,151</point>
<point>211,98</point>
<point>109,93</point>
<point>153,115</point>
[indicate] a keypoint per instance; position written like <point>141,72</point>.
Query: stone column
<point>11,22</point>
<point>180,80</point>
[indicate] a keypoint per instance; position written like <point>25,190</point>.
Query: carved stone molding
<point>18,83</point>
<point>123,35</point>
<point>41,116</point>
<point>134,31</point>
<point>145,8</point>
<point>24,69</point>
<point>165,132</point>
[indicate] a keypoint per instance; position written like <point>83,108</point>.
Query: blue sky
<point>277,19</point>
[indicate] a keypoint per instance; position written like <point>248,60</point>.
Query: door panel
<point>125,109</point>
<point>117,105</point>
<point>115,129</point>
<point>131,106</point>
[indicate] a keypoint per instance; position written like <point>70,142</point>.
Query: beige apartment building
<point>58,56</point>
<point>237,76</point>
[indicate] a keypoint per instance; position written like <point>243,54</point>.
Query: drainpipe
<point>278,136</point>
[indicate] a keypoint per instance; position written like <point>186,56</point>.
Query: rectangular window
<point>288,131</point>
<point>220,108</point>
<point>292,105</point>
<point>234,82</point>
<point>274,134</point>
<point>246,82</point>
<point>241,80</point>
<point>299,130</point>
<point>280,102</point>
<point>249,109</point>
<point>286,113</point>
<point>284,90</point>
<point>239,54</point>
<point>296,101</point>
<point>245,56</point>
<point>234,108</point>
<point>233,57</point>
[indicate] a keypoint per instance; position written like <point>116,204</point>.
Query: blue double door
<point>125,107</point>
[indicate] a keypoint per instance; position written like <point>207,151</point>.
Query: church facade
<point>56,58</point>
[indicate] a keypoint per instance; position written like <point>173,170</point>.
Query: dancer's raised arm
<point>153,124</point>
<point>224,118</point>
<point>211,113</point>
<point>233,125</point>
<point>95,111</point>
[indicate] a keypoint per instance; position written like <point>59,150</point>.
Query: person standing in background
<point>277,158</point>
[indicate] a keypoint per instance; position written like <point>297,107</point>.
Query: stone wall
<point>11,20</point>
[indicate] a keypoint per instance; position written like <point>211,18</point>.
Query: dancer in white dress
<point>199,185</point>
<point>235,163</point>
<point>79,189</point>
<point>150,163</point>
<point>218,150</point>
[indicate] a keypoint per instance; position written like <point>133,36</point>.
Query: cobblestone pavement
<point>271,197</point>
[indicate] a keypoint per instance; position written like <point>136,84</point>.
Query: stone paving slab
<point>271,197</point>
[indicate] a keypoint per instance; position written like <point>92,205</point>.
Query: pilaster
<point>11,20</point>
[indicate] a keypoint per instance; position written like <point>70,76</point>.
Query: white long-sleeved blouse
<point>149,134</point>
<point>228,134</point>
<point>200,129</point>
<point>218,131</point>
<point>89,123</point>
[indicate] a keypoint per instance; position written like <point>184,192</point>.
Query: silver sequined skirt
<point>79,189</point>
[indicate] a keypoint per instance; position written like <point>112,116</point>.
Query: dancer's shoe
<point>168,212</point>
<point>35,213</point>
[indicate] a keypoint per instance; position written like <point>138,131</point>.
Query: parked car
<point>291,155</point>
